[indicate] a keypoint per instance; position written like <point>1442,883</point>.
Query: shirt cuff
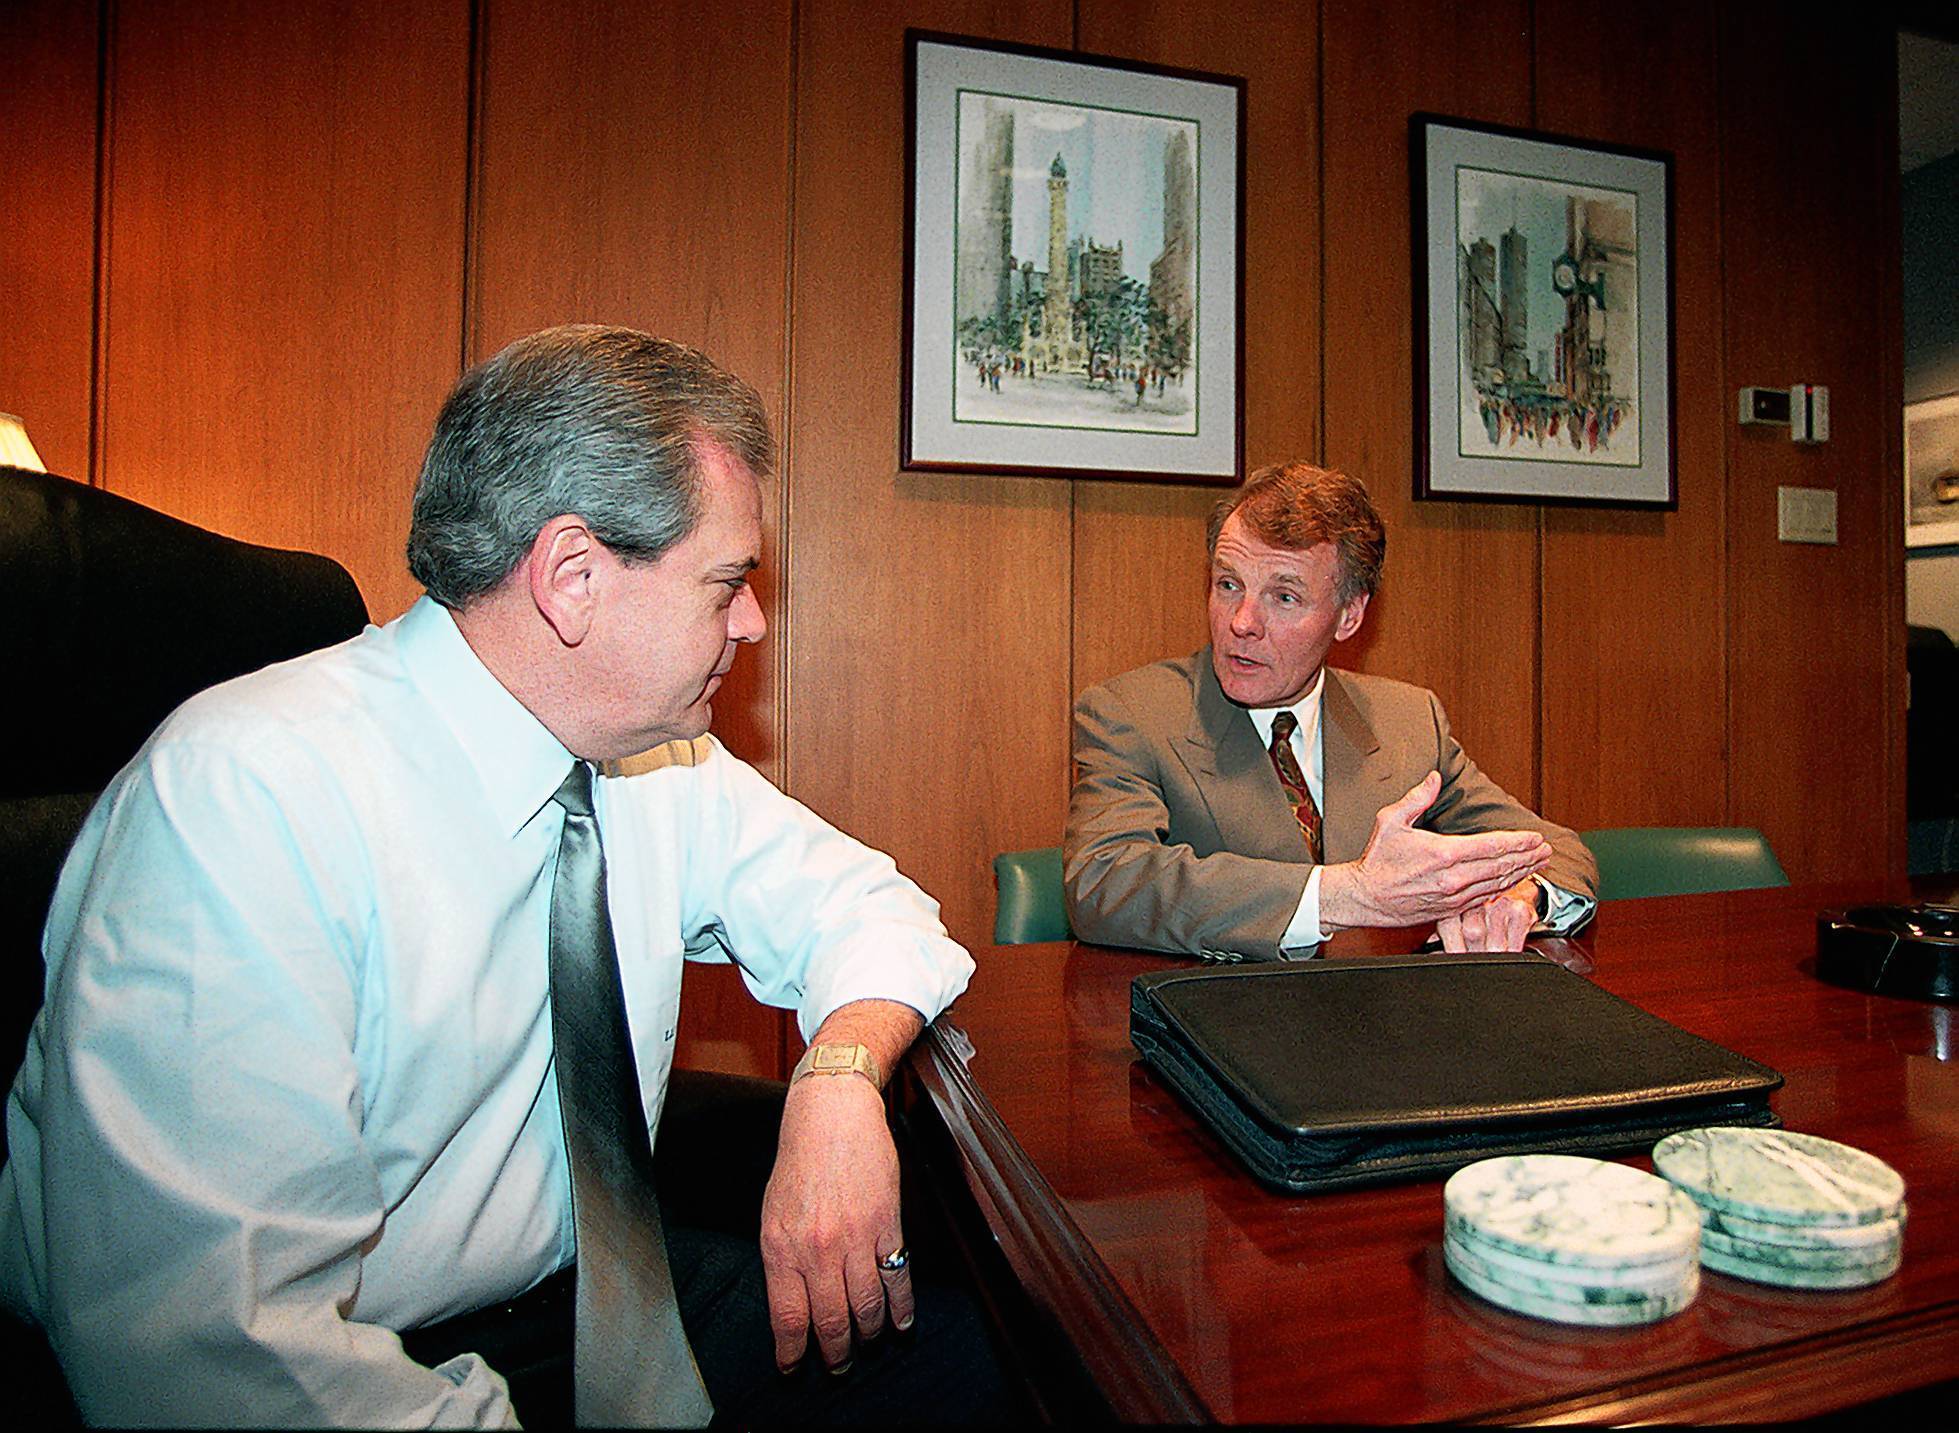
<point>1564,911</point>
<point>925,972</point>
<point>1303,935</point>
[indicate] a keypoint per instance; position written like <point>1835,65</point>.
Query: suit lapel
<point>1234,775</point>
<point>1354,778</point>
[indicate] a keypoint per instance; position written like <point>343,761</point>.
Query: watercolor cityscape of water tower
<point>1075,295</point>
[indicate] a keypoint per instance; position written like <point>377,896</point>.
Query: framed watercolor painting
<point>1932,472</point>
<point>1073,265</point>
<point>1543,318</point>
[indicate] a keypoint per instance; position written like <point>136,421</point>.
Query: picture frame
<point>1932,469</point>
<point>1543,351</point>
<point>1130,179</point>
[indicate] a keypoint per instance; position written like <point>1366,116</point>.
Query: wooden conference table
<point>1130,1248</point>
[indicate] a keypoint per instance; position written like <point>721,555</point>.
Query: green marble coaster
<point>1788,1278</point>
<point>1780,1177</point>
<point>1783,1256</point>
<point>1560,1311</point>
<point>1639,1280</point>
<point>1882,1234</point>
<point>1678,1284</point>
<point>1565,1209</point>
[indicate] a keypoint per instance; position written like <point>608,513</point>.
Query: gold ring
<point>895,1261</point>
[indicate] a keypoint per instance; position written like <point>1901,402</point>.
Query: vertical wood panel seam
<point>1717,45</point>
<point>785,1039</point>
<point>785,490</point>
<point>1530,79</point>
<point>1319,197</point>
<point>98,319</point>
<point>1891,517</point>
<point>470,309</point>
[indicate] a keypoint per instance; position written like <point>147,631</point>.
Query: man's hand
<point>831,1208</point>
<point>1499,924</point>
<point>1408,876</point>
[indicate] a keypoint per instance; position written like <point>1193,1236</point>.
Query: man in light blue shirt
<point>291,1092</point>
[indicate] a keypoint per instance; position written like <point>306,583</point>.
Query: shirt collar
<point>1306,711</point>
<point>518,761</point>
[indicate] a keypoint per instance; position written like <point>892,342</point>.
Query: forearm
<point>831,1211</point>
<point>884,1027</point>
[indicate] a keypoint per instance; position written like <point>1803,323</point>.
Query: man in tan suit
<point>1250,801</point>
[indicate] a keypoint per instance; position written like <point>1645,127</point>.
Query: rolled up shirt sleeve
<point>814,918</point>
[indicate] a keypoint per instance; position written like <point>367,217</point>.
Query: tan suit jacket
<point>1181,838</point>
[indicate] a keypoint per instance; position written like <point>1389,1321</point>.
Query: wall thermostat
<point>1809,413</point>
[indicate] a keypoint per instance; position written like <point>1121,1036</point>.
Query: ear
<point>561,569</point>
<point>1350,616</point>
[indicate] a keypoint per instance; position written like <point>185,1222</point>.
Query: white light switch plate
<point>1806,515</point>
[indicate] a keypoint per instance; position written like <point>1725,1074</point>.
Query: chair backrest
<point>115,614</point>
<point>1681,860</point>
<point>1030,906</point>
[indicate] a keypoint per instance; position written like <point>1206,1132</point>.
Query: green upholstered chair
<point>1029,905</point>
<point>1681,860</point>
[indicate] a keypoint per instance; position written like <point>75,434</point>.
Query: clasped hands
<point>1478,889</point>
<point>829,1215</point>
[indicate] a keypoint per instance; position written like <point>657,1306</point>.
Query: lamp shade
<point>16,449</point>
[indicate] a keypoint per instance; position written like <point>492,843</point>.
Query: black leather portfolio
<point>1331,1073</point>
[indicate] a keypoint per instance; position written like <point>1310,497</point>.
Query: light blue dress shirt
<point>292,1088</point>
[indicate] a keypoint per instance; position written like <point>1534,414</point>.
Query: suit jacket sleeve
<point>1127,883</point>
<point>1470,802</point>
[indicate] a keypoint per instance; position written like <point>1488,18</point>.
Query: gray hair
<point>603,422</point>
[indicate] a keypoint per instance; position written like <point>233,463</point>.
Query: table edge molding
<point>1047,1251</point>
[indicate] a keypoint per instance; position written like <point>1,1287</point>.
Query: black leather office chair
<point>115,613</point>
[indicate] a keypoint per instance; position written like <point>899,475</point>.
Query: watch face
<point>1564,276</point>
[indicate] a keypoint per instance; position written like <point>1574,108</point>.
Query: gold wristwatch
<point>838,1060</point>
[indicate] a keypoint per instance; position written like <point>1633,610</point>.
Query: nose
<point>745,620</point>
<point>1244,619</point>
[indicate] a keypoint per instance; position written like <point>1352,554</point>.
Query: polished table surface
<point>1190,1292</point>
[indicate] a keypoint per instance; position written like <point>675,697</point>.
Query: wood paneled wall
<point>246,249</point>
<point>1641,596</point>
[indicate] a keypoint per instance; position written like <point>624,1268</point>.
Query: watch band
<point>839,1060</point>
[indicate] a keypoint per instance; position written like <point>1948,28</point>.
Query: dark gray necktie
<point>631,1364</point>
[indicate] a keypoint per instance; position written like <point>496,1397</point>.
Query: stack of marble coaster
<point>1789,1209</point>
<point>1574,1240</point>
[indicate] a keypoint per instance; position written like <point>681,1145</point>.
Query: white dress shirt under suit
<point>292,1086</point>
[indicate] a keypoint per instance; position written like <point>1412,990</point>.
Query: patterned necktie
<point>631,1364</point>
<point>1294,781</point>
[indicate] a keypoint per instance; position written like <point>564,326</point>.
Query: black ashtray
<point>1911,951</point>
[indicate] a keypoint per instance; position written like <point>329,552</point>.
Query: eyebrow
<point>740,568</point>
